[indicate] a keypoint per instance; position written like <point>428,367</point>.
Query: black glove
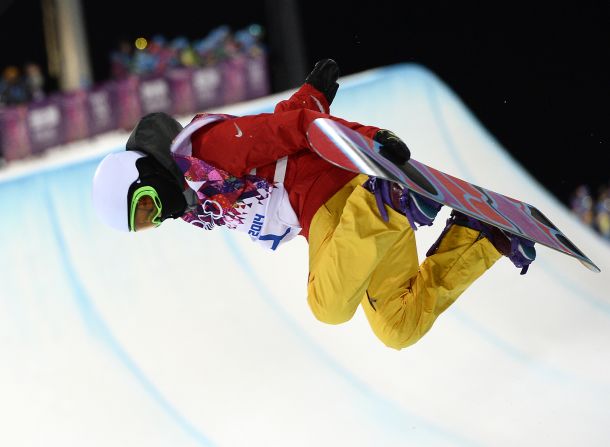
<point>392,147</point>
<point>323,78</point>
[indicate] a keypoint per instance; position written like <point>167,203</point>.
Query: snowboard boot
<point>418,209</point>
<point>520,251</point>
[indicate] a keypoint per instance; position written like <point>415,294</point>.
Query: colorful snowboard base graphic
<point>349,150</point>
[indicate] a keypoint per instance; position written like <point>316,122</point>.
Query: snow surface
<point>178,337</point>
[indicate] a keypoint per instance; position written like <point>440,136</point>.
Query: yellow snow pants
<point>355,257</point>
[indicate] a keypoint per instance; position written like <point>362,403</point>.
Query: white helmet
<point>111,182</point>
<point>146,168</point>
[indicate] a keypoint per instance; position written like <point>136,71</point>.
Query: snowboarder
<point>257,174</point>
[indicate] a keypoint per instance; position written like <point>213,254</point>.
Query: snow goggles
<point>145,209</point>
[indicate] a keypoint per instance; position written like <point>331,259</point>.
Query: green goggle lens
<point>144,213</point>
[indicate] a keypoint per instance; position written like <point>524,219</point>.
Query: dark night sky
<point>537,77</point>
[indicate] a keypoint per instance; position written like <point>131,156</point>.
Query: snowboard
<point>354,152</point>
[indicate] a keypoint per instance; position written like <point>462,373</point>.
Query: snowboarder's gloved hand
<point>324,78</point>
<point>392,147</point>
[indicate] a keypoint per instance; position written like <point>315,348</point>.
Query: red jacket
<point>241,144</point>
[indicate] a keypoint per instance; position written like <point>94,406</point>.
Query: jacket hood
<point>153,136</point>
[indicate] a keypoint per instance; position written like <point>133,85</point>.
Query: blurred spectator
<point>215,47</point>
<point>249,40</point>
<point>184,52</point>
<point>121,60</point>
<point>162,53</point>
<point>582,204</point>
<point>13,87</point>
<point>593,211</point>
<point>602,211</point>
<point>144,62</point>
<point>35,81</point>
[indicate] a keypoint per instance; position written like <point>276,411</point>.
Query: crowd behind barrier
<point>223,68</point>
<point>18,86</point>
